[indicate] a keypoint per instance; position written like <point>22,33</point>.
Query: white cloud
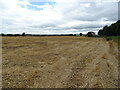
<point>62,17</point>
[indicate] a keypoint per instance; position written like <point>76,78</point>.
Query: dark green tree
<point>23,34</point>
<point>81,34</point>
<point>112,30</point>
<point>90,34</point>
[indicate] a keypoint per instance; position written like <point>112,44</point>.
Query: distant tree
<point>23,34</point>
<point>70,34</point>
<point>80,34</point>
<point>86,35</point>
<point>9,35</point>
<point>2,34</point>
<point>90,34</point>
<point>75,34</point>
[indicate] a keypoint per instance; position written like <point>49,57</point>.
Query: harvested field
<point>59,62</point>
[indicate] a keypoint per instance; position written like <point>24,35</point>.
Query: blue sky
<point>39,4</point>
<point>56,16</point>
<point>33,8</point>
<point>33,5</point>
<point>42,3</point>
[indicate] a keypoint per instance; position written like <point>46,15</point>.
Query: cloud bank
<point>56,16</point>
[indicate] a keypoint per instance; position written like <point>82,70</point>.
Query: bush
<point>108,39</point>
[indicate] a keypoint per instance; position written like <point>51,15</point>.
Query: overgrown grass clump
<point>114,38</point>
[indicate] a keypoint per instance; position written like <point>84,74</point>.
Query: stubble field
<point>59,62</point>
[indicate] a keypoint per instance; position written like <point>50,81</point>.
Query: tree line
<point>112,30</point>
<point>24,34</point>
<point>89,34</point>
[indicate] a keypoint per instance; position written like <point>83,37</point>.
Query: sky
<point>56,16</point>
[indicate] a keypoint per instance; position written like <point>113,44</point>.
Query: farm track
<point>59,62</point>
